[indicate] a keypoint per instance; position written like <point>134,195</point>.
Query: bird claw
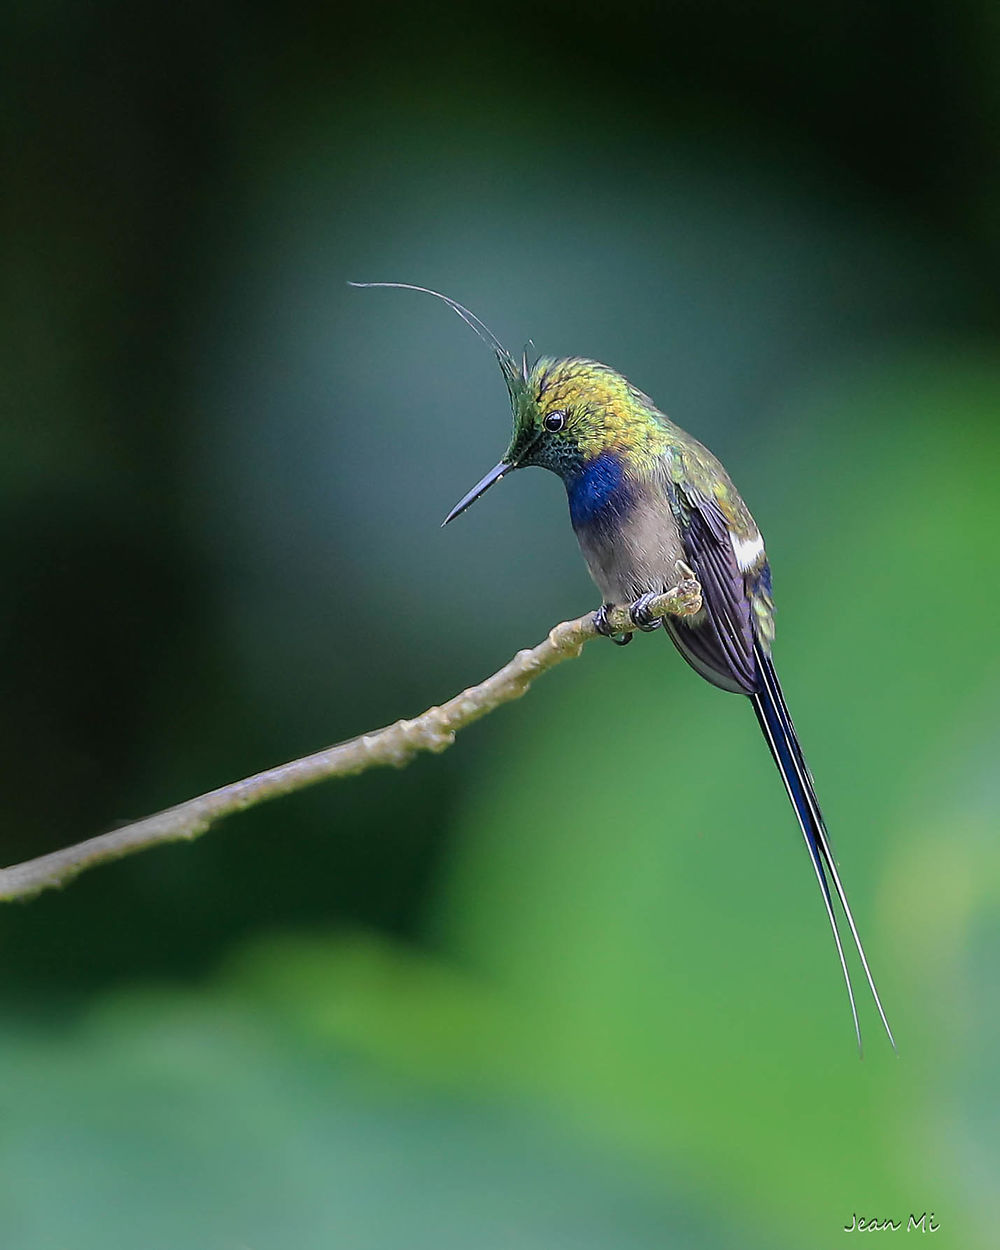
<point>688,589</point>
<point>603,627</point>
<point>641,616</point>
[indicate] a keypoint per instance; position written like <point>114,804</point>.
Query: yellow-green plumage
<point>606,411</point>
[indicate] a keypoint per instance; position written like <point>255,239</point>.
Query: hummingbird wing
<point>719,642</point>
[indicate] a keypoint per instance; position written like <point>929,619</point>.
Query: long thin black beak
<point>480,488</point>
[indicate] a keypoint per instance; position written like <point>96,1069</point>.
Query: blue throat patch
<point>598,493</point>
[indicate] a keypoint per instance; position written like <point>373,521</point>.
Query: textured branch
<point>395,745</point>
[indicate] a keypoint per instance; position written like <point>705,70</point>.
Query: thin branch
<point>395,745</point>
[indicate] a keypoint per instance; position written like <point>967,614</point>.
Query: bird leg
<point>641,616</point>
<point>646,612</point>
<point>603,627</point>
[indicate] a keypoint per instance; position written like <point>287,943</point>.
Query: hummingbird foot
<point>603,627</point>
<point>641,616</point>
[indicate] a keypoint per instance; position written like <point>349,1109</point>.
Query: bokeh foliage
<point>568,984</point>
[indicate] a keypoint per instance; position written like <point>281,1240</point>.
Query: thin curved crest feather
<point>515,377</point>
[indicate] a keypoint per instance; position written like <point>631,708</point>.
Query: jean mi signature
<point>925,1222</point>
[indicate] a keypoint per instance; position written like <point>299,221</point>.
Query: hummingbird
<point>645,498</point>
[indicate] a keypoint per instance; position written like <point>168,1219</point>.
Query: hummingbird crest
<point>516,376</point>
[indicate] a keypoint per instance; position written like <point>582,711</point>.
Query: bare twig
<point>396,745</point>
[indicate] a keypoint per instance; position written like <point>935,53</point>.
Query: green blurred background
<point>570,984</point>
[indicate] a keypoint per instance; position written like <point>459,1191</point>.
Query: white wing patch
<point>749,551</point>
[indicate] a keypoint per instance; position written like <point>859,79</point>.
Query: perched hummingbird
<point>644,495</point>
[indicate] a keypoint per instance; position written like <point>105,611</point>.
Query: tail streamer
<point>776,724</point>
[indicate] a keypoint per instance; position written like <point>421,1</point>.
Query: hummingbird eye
<point>554,421</point>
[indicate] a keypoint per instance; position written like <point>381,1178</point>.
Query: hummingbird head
<point>567,413</point>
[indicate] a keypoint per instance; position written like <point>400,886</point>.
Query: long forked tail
<point>772,713</point>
